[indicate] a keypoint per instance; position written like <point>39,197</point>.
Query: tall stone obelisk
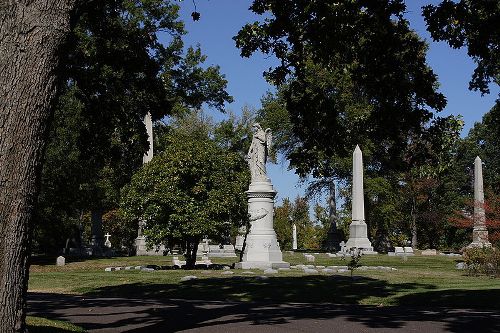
<point>479,232</point>
<point>140,242</point>
<point>262,249</point>
<point>148,122</point>
<point>358,231</point>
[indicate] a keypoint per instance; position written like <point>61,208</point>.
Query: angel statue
<point>258,152</point>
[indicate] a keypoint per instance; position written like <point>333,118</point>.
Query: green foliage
<point>114,71</point>
<point>351,72</point>
<point>194,188</point>
<point>473,24</point>
<point>485,260</point>
<point>355,259</point>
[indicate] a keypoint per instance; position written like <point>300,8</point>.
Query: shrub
<point>484,260</point>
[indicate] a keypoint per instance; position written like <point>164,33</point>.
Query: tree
<point>115,71</point>
<point>31,39</point>
<point>473,24</point>
<point>352,72</point>
<point>194,188</point>
<point>283,224</point>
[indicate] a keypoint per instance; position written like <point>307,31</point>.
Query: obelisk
<point>479,232</point>
<point>262,249</point>
<point>358,232</point>
<point>294,235</point>
<point>140,242</point>
<point>148,122</point>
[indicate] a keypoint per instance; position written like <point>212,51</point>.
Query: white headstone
<point>60,261</point>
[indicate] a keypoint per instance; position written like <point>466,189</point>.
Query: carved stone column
<point>262,249</point>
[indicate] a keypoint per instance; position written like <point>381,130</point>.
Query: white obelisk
<point>148,122</point>
<point>479,232</point>
<point>140,241</point>
<point>358,233</point>
<point>294,235</point>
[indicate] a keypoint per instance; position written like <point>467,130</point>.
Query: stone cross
<point>107,243</point>
<point>294,235</point>
<point>479,232</point>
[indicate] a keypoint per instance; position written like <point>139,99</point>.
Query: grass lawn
<point>42,325</point>
<point>420,281</point>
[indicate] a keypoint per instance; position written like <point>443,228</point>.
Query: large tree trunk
<point>31,35</point>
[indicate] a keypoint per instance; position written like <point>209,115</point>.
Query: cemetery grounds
<point>429,281</point>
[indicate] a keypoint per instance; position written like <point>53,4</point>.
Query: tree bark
<point>31,35</point>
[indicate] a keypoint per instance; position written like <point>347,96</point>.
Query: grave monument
<point>358,231</point>
<point>294,235</point>
<point>262,249</point>
<point>140,242</point>
<point>479,232</point>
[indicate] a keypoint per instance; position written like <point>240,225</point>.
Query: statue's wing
<point>269,139</point>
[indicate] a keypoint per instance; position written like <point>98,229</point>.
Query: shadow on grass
<point>213,305</point>
<point>457,298</point>
<point>314,288</point>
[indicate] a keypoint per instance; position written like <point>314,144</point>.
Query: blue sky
<point>221,20</point>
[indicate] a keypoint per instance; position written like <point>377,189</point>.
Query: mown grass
<point>417,281</point>
<point>43,325</point>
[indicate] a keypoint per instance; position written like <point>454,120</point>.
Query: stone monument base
<point>261,264</point>
<point>479,239</point>
<point>141,249</point>
<point>358,238</point>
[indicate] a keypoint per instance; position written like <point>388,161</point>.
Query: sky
<point>222,19</point>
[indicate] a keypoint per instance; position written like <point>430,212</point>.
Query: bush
<point>484,260</point>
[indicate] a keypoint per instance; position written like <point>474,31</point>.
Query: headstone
<point>310,258</point>
<point>60,261</point>
<point>270,271</point>
<point>398,250</point>
<point>107,243</point>
<point>294,235</point>
<point>343,248</point>
<point>188,278</point>
<point>429,252</point>
<point>408,250</point>
<point>479,232</point>
<point>240,238</point>
<point>358,233</point>
<point>262,249</point>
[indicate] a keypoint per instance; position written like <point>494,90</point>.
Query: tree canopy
<point>114,71</point>
<point>350,72</point>
<point>194,188</point>
<point>472,24</point>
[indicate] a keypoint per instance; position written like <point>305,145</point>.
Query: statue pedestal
<point>262,249</point>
